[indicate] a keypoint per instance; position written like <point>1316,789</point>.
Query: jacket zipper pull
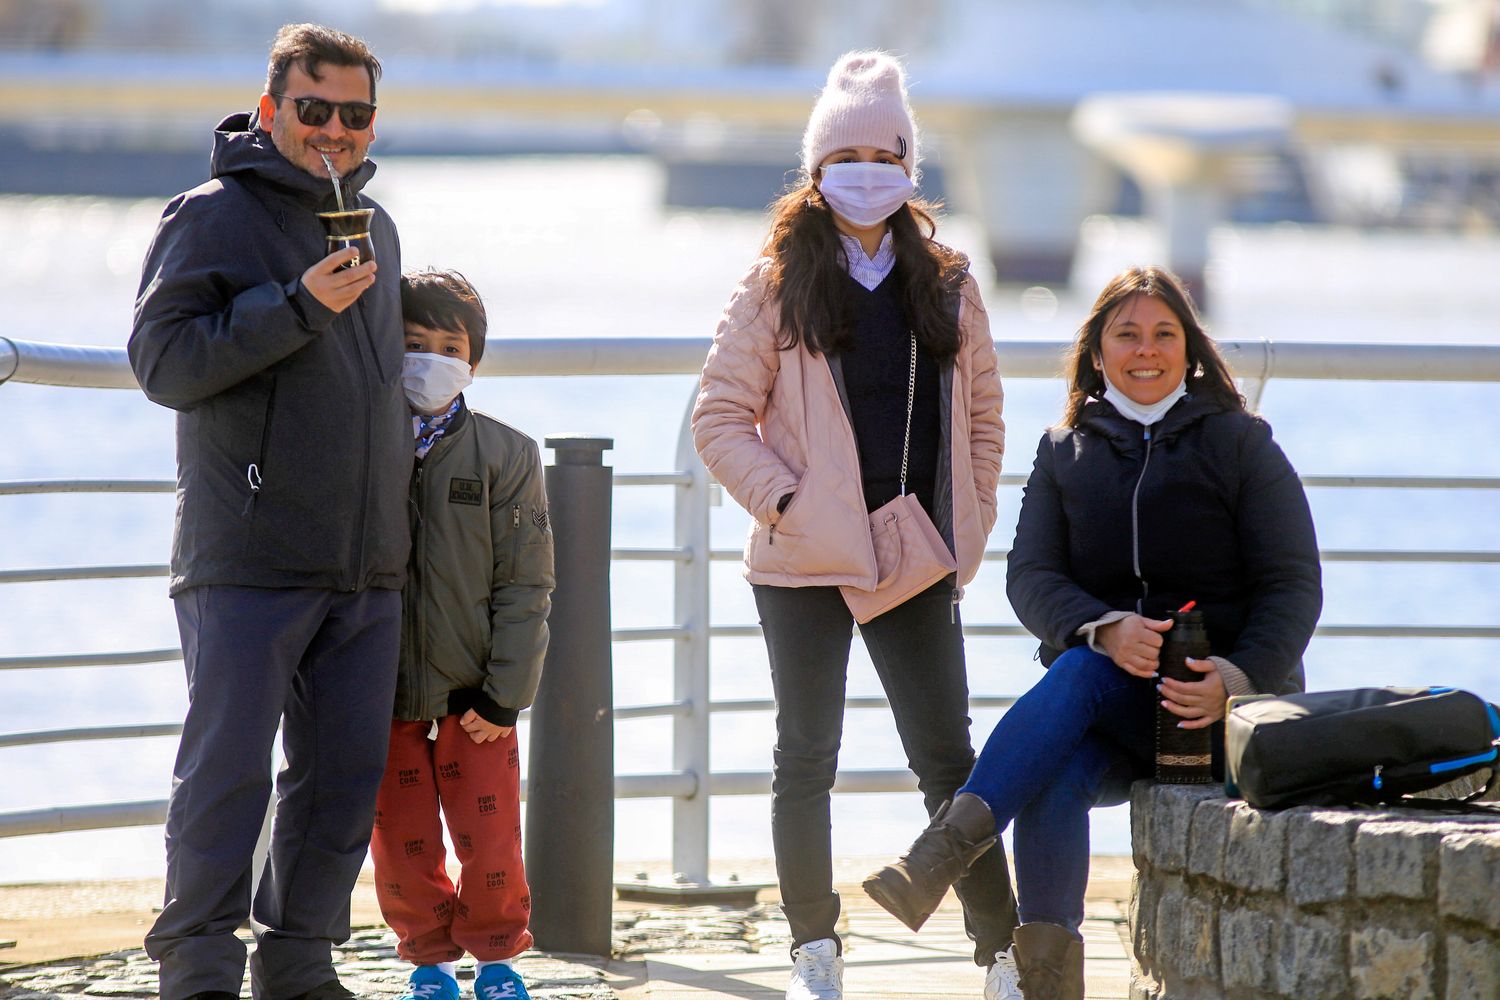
<point>515,516</point>
<point>416,501</point>
<point>773,535</point>
<point>1379,781</point>
<point>953,606</point>
<point>252,476</point>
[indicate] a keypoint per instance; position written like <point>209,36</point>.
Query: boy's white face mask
<point>431,381</point>
<point>865,193</point>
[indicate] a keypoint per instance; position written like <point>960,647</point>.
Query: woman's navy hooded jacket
<point>1204,507</point>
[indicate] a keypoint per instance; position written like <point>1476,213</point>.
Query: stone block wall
<point>1234,903</point>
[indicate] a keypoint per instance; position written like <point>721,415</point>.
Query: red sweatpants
<point>478,786</point>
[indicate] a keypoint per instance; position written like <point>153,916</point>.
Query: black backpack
<point>1365,746</point>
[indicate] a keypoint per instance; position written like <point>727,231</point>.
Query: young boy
<point>473,637</point>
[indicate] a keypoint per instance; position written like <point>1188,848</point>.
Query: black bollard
<point>570,797</point>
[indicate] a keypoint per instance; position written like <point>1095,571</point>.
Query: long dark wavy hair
<point>809,279</point>
<point>1207,374</point>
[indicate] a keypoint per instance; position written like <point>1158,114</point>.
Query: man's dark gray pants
<point>326,662</point>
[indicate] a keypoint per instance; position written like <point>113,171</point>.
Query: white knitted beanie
<point>864,104</point>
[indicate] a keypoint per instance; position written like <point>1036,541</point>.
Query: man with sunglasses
<point>289,551</point>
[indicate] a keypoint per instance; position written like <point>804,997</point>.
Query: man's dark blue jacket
<point>294,441</point>
<point>1213,512</point>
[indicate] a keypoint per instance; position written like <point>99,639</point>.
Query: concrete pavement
<point>882,959</point>
<point>662,953</point>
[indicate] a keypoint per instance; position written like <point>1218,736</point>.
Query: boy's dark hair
<point>313,45</point>
<point>444,300</point>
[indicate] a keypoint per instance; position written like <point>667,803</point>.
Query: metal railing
<point>690,782</point>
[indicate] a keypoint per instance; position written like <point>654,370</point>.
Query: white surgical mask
<point>431,381</point>
<point>866,193</point>
<point>1140,412</point>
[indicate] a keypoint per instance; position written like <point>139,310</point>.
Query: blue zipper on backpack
<point>1453,765</point>
<point>1482,758</point>
<point>1378,780</point>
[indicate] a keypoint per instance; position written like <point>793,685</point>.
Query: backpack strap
<point>1448,806</point>
<point>1475,802</point>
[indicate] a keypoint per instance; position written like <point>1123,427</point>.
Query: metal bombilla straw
<point>338,193</point>
<point>333,175</point>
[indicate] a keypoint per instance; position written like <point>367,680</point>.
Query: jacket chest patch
<point>467,491</point>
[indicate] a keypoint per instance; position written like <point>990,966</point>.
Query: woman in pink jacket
<point>802,414</point>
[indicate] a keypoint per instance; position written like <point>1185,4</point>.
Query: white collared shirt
<point>869,271</point>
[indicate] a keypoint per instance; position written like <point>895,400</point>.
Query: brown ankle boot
<point>912,888</point>
<point>1050,960</point>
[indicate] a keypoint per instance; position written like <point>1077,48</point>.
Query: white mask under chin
<point>1142,413</point>
<point>431,381</point>
<point>865,193</point>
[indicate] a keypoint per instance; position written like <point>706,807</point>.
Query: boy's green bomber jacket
<point>480,578</point>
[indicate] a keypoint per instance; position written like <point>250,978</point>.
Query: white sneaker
<point>1003,981</point>
<point>817,972</point>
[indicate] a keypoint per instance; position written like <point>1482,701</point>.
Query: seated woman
<point>1157,488</point>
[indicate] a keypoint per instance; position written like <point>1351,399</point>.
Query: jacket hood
<point>242,147</point>
<point>1103,419</point>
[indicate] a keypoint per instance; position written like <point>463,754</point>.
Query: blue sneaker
<point>500,982</point>
<point>428,982</point>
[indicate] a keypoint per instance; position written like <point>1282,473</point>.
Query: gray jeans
<point>917,648</point>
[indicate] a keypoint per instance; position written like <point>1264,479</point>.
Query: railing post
<point>570,819</point>
<point>690,663</point>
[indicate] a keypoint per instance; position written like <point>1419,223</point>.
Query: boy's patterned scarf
<point>427,428</point>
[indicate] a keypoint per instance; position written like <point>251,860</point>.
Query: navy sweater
<point>875,373</point>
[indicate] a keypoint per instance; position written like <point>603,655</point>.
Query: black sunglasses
<point>314,111</point>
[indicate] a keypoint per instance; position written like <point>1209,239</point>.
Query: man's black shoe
<point>214,995</point>
<point>331,990</point>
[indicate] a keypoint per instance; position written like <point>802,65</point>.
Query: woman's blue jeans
<point>1077,739</point>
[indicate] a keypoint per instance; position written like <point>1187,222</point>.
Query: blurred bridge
<point>1238,101</point>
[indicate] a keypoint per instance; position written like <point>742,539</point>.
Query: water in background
<point>582,247</point>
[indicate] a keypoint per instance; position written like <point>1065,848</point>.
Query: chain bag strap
<point>910,554</point>
<point>911,397</point>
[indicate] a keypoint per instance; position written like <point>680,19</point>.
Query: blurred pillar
<point>1182,150</point>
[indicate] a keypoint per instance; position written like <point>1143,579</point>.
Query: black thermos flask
<point>1182,755</point>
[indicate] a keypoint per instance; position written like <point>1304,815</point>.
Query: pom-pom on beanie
<point>863,104</point>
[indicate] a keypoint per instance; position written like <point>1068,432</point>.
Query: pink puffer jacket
<point>769,422</point>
